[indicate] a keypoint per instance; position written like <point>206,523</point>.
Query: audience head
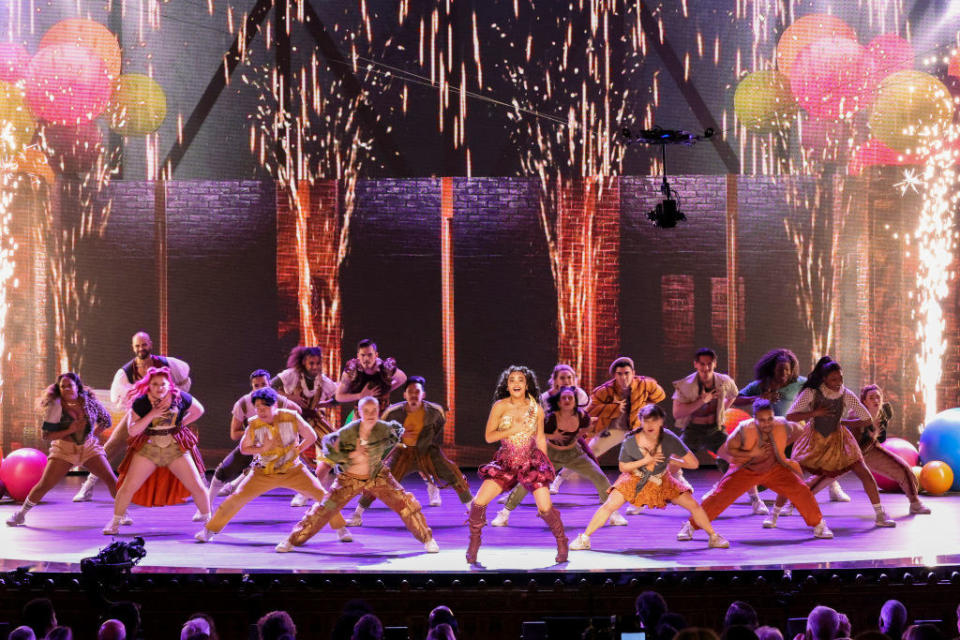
<point>112,630</point>
<point>768,633</point>
<point>128,613</point>
<point>738,632</point>
<point>443,615</point>
<point>368,627</point>
<point>822,624</point>
<point>844,629</point>
<point>276,624</point>
<point>922,632</point>
<point>696,633</point>
<point>22,632</point>
<point>198,626</point>
<point>353,610</point>
<point>38,614</point>
<point>893,618</point>
<point>650,607</point>
<point>60,633</point>
<point>740,613</point>
<point>442,631</point>
<point>668,626</point>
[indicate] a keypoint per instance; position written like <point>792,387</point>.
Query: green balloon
<point>138,106</point>
<point>908,102</point>
<point>763,101</point>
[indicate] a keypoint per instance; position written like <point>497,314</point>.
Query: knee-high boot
<point>476,521</point>
<point>552,518</point>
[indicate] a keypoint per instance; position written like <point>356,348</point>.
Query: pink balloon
<point>72,148</point>
<point>829,78</point>
<point>891,54</point>
<point>820,135</point>
<point>21,470</point>
<point>67,84</point>
<point>13,62</point>
<point>905,450</point>
<point>873,152</point>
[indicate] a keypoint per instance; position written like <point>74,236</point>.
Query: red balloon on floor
<point>21,470</point>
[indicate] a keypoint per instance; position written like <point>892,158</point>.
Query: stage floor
<point>59,533</point>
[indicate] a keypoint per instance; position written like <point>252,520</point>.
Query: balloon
<point>16,121</point>
<point>907,104</point>
<point>891,53</point>
<point>138,106</point>
<point>905,450</point>
<point>73,149</point>
<point>88,34</point>
<point>33,161</point>
<point>936,477</point>
<point>940,440</point>
<point>763,101</point>
<point>67,84</point>
<point>874,152</point>
<point>804,32</point>
<point>21,470</point>
<point>13,61</point>
<point>829,78</point>
<point>733,417</point>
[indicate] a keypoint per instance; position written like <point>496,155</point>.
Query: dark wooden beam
<point>214,88</point>
<point>342,68</point>
<point>675,68</point>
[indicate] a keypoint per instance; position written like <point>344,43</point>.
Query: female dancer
<point>73,420</point>
<point>880,460</point>
<point>162,450</point>
<point>645,481</point>
<point>562,426</point>
<point>827,448</point>
<point>516,422</point>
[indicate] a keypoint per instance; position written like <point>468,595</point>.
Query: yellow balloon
<point>90,34</point>
<point>763,101</point>
<point>138,106</point>
<point>907,104</point>
<point>16,122</point>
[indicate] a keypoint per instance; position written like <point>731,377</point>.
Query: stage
<point>60,532</point>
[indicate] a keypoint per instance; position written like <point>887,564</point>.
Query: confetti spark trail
<point>8,245</point>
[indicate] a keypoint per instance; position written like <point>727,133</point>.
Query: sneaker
<point>284,547</point>
<point>633,511</point>
<point>717,541</point>
<point>787,509</point>
<point>617,520</point>
<point>204,535</point>
<point>770,523</point>
<point>343,535</point>
<point>433,492</point>
<point>126,520</point>
<point>113,527</point>
<point>555,485</point>
<point>502,519</point>
<point>299,500</point>
<point>918,508</point>
<point>17,519</point>
<point>85,494</point>
<point>356,520</point>
<point>431,546</point>
<point>197,516</point>
<point>686,532</point>
<point>759,507</point>
<point>837,493</point>
<point>822,531</point>
<point>580,543</point>
<point>883,521</point>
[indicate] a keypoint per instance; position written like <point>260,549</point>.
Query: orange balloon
<point>34,162</point>
<point>936,477</point>
<point>806,31</point>
<point>90,34</point>
<point>733,417</point>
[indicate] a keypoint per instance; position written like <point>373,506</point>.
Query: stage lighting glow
<point>8,245</point>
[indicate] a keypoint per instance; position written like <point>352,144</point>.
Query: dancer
<point>757,449</point>
<point>877,458</point>
<point>420,446</point>
<point>616,403</point>
<point>162,465</point>
<point>368,375</point>
<point>563,375</point>
<point>563,425</point>
<point>700,402</point>
<point>359,449</point>
<point>777,378</point>
<point>275,438</point>
<point>645,481</point>
<point>73,420</point>
<point>303,382</point>
<point>827,448</point>
<point>229,473</point>
<point>516,422</point>
<point>124,379</point>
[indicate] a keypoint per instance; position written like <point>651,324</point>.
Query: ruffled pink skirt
<point>532,470</point>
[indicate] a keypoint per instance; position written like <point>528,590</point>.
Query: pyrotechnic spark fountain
<point>8,245</point>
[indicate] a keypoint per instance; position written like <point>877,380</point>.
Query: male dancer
<point>303,383</point>
<point>617,402</point>
<point>276,437</point>
<point>368,375</point>
<point>123,381</point>
<point>757,449</point>
<point>359,449</point>
<point>420,446</point>
<point>229,472</point>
